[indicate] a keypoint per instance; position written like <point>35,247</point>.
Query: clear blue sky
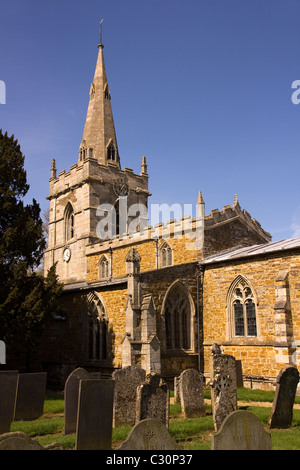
<point>202,88</point>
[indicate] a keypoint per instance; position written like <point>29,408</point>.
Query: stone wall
<point>266,354</point>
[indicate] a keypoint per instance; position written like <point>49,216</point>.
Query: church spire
<point>99,136</point>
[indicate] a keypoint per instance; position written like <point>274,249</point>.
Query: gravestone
<point>21,441</point>
<point>95,414</point>
<point>241,430</point>
<point>223,387</point>
<point>239,373</point>
<point>71,394</point>
<point>191,393</point>
<point>30,396</point>
<point>282,408</point>
<point>177,390</point>
<point>126,382</point>
<point>8,394</point>
<point>153,400</point>
<point>149,434</point>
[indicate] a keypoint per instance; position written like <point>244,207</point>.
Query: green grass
<point>191,434</point>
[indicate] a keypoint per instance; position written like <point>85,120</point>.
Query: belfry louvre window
<point>111,153</point>
<point>243,309</point>
<point>177,319</point>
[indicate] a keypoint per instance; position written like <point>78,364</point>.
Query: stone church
<point>158,297</point>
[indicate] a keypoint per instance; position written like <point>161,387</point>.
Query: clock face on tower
<point>67,254</point>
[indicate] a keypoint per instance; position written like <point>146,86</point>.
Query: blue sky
<point>202,88</point>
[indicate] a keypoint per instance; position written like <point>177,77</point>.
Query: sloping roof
<point>251,251</point>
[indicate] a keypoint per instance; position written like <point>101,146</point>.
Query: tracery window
<point>177,313</point>
<point>97,329</point>
<point>243,306</point>
<point>103,267</point>
<point>110,151</point>
<point>165,255</point>
<point>69,222</point>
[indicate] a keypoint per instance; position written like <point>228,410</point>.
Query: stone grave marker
<point>282,408</point>
<point>95,414</point>
<point>153,400</point>
<point>223,387</point>
<point>241,430</point>
<point>191,393</point>
<point>71,393</point>
<point>149,434</point>
<point>30,396</point>
<point>126,382</point>
<point>8,394</point>
<point>239,373</point>
<point>177,390</point>
<point>21,441</point>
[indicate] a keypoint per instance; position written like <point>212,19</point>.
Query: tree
<point>27,298</point>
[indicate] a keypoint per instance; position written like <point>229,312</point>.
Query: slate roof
<point>251,251</point>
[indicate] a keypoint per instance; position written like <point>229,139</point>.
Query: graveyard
<point>180,426</point>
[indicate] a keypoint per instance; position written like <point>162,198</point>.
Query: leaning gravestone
<point>21,441</point>
<point>223,387</point>
<point>30,396</point>
<point>282,408</point>
<point>71,393</point>
<point>8,394</point>
<point>149,434</point>
<point>126,382</point>
<point>153,400</point>
<point>241,430</point>
<point>95,414</point>
<point>191,393</point>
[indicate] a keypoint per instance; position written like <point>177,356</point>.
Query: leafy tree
<point>26,297</point>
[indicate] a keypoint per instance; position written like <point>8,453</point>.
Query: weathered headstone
<point>149,434</point>
<point>177,390</point>
<point>223,387</point>
<point>239,373</point>
<point>153,400</point>
<point>71,394</point>
<point>95,414</point>
<point>241,430</point>
<point>126,382</point>
<point>191,393</point>
<point>8,394</point>
<point>30,396</point>
<point>21,441</point>
<point>282,408</point>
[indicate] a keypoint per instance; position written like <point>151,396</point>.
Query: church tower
<point>96,193</point>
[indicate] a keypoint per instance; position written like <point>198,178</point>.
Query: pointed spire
<point>200,199</point>
<point>144,166</point>
<point>53,168</point>
<point>99,136</point>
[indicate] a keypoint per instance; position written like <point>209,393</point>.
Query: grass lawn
<point>191,434</point>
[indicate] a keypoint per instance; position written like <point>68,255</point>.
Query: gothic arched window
<point>111,152</point>
<point>165,255</point>
<point>177,312</point>
<point>103,267</point>
<point>242,308</point>
<point>97,329</point>
<point>69,220</point>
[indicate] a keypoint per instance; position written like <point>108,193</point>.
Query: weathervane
<point>101,31</point>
